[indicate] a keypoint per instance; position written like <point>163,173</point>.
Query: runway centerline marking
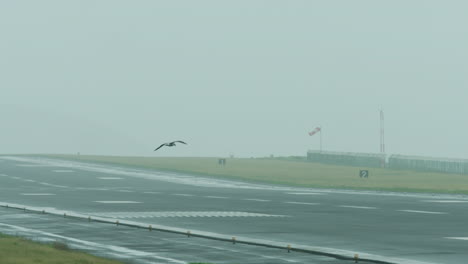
<point>152,192</point>
<point>302,203</point>
<point>216,197</point>
<point>37,194</point>
<point>110,178</point>
<point>357,207</point>
<point>117,202</point>
<point>257,200</point>
<point>421,212</point>
<point>445,201</point>
<point>182,194</point>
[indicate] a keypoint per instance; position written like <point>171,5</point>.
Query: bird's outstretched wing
<point>181,142</point>
<point>160,146</point>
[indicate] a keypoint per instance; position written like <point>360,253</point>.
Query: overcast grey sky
<point>248,78</point>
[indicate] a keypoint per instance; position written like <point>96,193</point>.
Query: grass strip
<point>15,250</point>
<point>295,173</point>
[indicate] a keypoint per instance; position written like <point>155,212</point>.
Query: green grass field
<point>16,250</point>
<point>295,173</point>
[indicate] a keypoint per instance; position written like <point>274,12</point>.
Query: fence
<point>374,160</point>
<point>347,158</point>
<point>459,166</point>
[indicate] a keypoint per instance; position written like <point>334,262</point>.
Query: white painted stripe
<point>305,193</point>
<point>38,194</point>
<point>182,194</point>
<point>117,202</point>
<point>421,212</point>
<point>152,192</point>
<point>357,207</point>
<point>53,185</point>
<point>459,238</point>
<point>445,201</point>
<point>301,203</point>
<point>91,189</point>
<point>33,165</point>
<point>257,200</point>
<point>110,178</point>
<point>63,171</point>
<point>216,197</point>
<point>125,191</point>
<point>30,180</point>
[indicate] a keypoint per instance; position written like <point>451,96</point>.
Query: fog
<point>247,78</point>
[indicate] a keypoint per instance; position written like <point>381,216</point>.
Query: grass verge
<point>294,173</point>
<point>16,250</point>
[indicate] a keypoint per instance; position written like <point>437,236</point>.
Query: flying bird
<point>170,144</point>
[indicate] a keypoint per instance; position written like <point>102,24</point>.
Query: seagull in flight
<point>170,144</point>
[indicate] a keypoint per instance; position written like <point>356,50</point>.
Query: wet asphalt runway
<point>397,227</point>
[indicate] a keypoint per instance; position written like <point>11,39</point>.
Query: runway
<point>393,227</point>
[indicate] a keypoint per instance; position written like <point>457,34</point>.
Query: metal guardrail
<point>338,254</point>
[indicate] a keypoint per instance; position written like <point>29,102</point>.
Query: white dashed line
<point>91,189</point>
<point>53,185</point>
<point>110,178</point>
<point>38,194</point>
<point>458,238</point>
<point>421,212</point>
<point>216,197</point>
<point>152,192</point>
<point>116,202</point>
<point>33,165</point>
<point>445,201</point>
<point>125,191</point>
<point>257,200</point>
<point>357,207</point>
<point>305,193</point>
<point>301,203</point>
<point>63,171</point>
<point>182,194</point>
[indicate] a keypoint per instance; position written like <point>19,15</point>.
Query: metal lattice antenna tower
<point>382,137</point>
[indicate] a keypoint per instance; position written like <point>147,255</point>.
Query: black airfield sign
<point>364,173</point>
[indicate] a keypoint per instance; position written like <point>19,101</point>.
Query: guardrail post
<point>64,215</point>
<point>233,240</point>
<point>117,222</point>
<point>356,258</point>
<point>289,248</point>
<point>150,228</point>
<point>188,233</point>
